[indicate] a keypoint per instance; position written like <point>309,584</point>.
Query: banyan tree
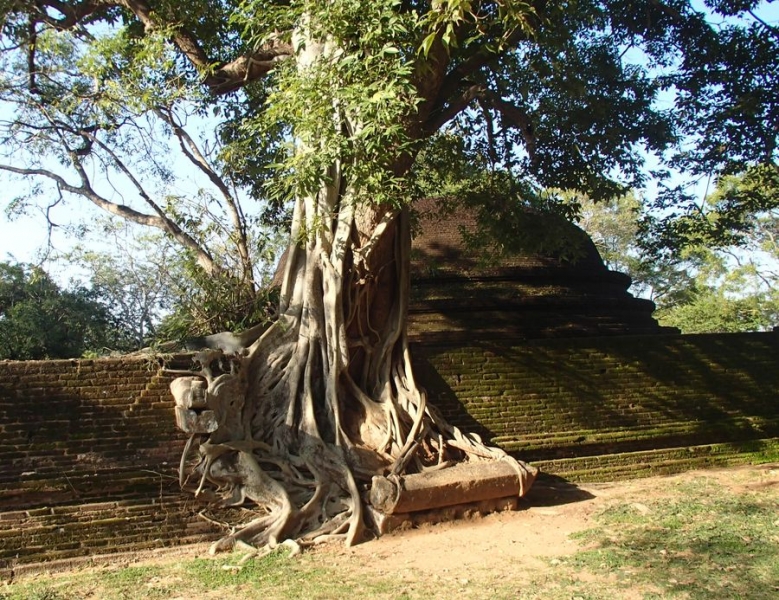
<point>347,111</point>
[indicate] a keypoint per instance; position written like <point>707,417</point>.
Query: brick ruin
<point>89,448</point>
<point>553,361</point>
<point>464,288</point>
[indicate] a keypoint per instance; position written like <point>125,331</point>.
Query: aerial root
<point>304,487</point>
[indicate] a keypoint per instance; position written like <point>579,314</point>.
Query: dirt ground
<point>500,544</point>
<point>506,543</point>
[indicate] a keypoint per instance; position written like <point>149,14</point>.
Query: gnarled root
<point>297,424</point>
<point>303,487</point>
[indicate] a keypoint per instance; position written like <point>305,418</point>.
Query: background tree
<point>39,320</point>
<point>338,99</point>
<point>111,118</point>
<point>713,278</point>
<point>729,244</point>
<point>156,292</point>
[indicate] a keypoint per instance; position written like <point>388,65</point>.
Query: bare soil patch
<point>503,545</point>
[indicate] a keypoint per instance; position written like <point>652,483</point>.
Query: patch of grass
<point>273,576</point>
<point>36,592</point>
<point>701,543</point>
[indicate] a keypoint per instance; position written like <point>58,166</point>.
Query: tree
<point>729,245</point>
<point>717,279</point>
<point>156,292</point>
<point>717,311</point>
<point>108,118</point>
<point>339,98</point>
<point>38,320</point>
<point>127,281</point>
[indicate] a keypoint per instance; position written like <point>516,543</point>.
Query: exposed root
<point>325,399</point>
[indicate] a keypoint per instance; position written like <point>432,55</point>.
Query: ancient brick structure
<point>88,461</point>
<point>89,448</point>
<point>464,288</point>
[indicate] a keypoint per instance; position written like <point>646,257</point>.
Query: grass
<point>274,576</point>
<point>696,539</point>
<point>701,542</point>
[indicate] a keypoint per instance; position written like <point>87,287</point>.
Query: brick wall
<point>598,408</point>
<point>88,461</point>
<point>89,450</point>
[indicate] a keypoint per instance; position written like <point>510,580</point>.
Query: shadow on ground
<point>551,490</point>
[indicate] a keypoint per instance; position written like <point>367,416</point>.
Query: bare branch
<point>490,126</point>
<point>767,26</point>
<point>448,112</point>
<point>159,221</point>
<point>32,46</point>
<point>512,114</point>
<point>234,75</point>
<point>481,56</point>
<point>163,222</point>
<point>517,118</point>
<point>192,152</point>
<point>73,13</point>
<point>119,210</point>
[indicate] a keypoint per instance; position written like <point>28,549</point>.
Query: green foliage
<point>129,280</point>
<point>701,287</point>
<point>39,320</point>
<point>202,303</point>
<point>100,118</point>
<point>614,227</point>
<point>513,215</point>
<point>349,107</point>
<point>736,213</point>
<point>536,96</point>
<point>155,292</point>
<point>712,311</point>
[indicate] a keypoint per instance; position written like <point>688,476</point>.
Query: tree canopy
<point>38,320</point>
<point>341,109</point>
<point>708,286</point>
<point>569,95</point>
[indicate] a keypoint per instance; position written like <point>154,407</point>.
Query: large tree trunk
<point>299,422</point>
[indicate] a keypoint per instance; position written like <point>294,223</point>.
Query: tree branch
<point>768,27</point>
<point>204,258</point>
<point>192,152</point>
<point>85,190</point>
<point>511,113</point>
<point>516,117</point>
<point>481,56</point>
<point>220,78</point>
<point>226,77</point>
<point>446,113</point>
<point>119,210</point>
<point>73,13</point>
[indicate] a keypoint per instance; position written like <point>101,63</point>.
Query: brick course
<point>548,400</point>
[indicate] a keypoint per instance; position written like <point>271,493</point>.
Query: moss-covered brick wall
<point>89,449</point>
<point>88,461</point>
<point>600,408</point>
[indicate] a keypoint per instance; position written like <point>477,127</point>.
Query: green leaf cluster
<point>38,320</point>
<point>720,277</point>
<point>349,108</point>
